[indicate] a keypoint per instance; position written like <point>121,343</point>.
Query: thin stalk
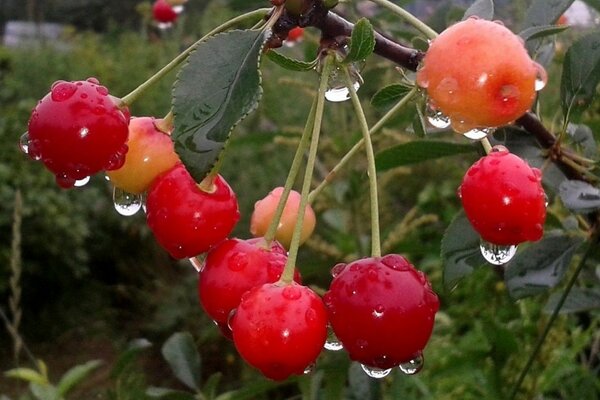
<point>292,174</point>
<point>137,92</point>
<point>371,171</point>
<point>487,146</point>
<point>553,317</point>
<point>288,272</point>
<point>342,163</point>
<point>408,17</point>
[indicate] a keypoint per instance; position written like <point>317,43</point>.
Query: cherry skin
<point>503,198</point>
<point>264,211</point>
<point>151,152</point>
<point>163,11</point>
<point>77,130</point>
<point>233,267</point>
<point>280,329</point>
<point>295,34</point>
<point>478,73</point>
<point>381,309</point>
<point>185,219</point>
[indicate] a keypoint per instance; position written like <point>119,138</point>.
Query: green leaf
<point>538,32</point>
<point>168,394</point>
<point>579,196</point>
<point>540,266</point>
<point>418,123</point>
<point>417,151</point>
<point>183,358</point>
<point>502,341</point>
<point>127,357</point>
<point>583,136</point>
<point>251,391</point>
<point>578,300</point>
<point>481,8</point>
<point>581,74</point>
<point>362,41</point>
<point>210,386</point>
<point>44,392</point>
<point>75,376</point>
<point>28,375</point>
<point>290,63</point>
<point>460,250</point>
<point>544,12</point>
<point>594,3</point>
<point>389,95</point>
<point>214,91</point>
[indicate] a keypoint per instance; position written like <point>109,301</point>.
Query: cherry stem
<point>487,146</point>
<point>292,174</point>
<point>371,170</point>
<point>130,98</point>
<point>288,272</point>
<point>408,17</point>
<point>165,125</point>
<point>553,316</point>
<point>342,163</point>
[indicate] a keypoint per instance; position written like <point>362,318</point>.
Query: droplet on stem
<point>478,133</point>
<point>497,254</point>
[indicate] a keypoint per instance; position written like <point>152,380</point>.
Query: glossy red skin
<point>77,130</point>
<point>295,34</point>
<point>280,330</point>
<point>233,267</point>
<point>186,220</point>
<point>382,310</point>
<point>503,199</point>
<point>163,11</point>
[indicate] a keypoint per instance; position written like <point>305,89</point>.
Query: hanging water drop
<point>413,366</point>
<point>541,78</point>
<point>436,118</point>
<point>332,343</point>
<point>164,25</point>
<point>126,204</point>
<point>337,91</point>
<point>81,182</point>
<point>196,264</point>
<point>338,94</point>
<point>374,372</point>
<point>478,134</point>
<point>497,254</point>
<point>24,143</point>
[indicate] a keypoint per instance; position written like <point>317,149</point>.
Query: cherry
<point>503,198</point>
<point>77,130</point>
<point>151,152</point>
<point>295,34</point>
<point>264,211</point>
<point>381,309</point>
<point>478,73</point>
<point>233,267</point>
<point>186,219</point>
<point>280,329</point>
<point>163,12</point>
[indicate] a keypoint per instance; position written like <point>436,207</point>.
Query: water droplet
<point>196,264</point>
<point>178,9</point>
<point>126,204</point>
<point>291,292</point>
<point>81,182</point>
<point>62,90</point>
<point>499,149</point>
<point>102,90</point>
<point>541,78</point>
<point>478,134</point>
<point>332,343</point>
<point>376,373</point>
<point>237,262</point>
<point>378,311</point>
<point>164,25</point>
<point>337,269</point>
<point>310,368</point>
<point>230,319</point>
<point>339,93</point>
<point>436,118</point>
<point>497,254</point>
<point>413,366</point>
<point>24,142</point>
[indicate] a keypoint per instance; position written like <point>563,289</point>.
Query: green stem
<point>288,272</point>
<point>371,171</point>
<point>129,99</point>
<point>342,163</point>
<point>553,317</point>
<point>408,17</point>
<point>292,174</point>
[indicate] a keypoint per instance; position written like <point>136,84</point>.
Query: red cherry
<point>233,267</point>
<point>382,310</point>
<point>185,219</point>
<point>163,12</point>
<point>295,34</point>
<point>77,130</point>
<point>503,198</point>
<point>280,329</point>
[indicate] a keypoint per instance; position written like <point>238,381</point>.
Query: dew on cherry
<point>497,254</point>
<point>332,343</point>
<point>82,182</point>
<point>413,366</point>
<point>196,264</point>
<point>230,319</point>
<point>478,133</point>
<point>436,118</point>
<point>24,143</point>
<point>374,372</point>
<point>126,204</point>
<point>541,78</point>
<point>337,269</point>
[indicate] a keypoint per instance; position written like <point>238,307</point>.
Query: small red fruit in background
<point>77,130</point>
<point>233,267</point>
<point>503,198</point>
<point>163,12</point>
<point>381,309</point>
<point>185,219</point>
<point>295,34</point>
<point>264,211</point>
<point>479,74</point>
<point>280,329</point>
<point>151,152</point>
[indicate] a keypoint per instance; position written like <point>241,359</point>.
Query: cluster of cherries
<point>379,309</point>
